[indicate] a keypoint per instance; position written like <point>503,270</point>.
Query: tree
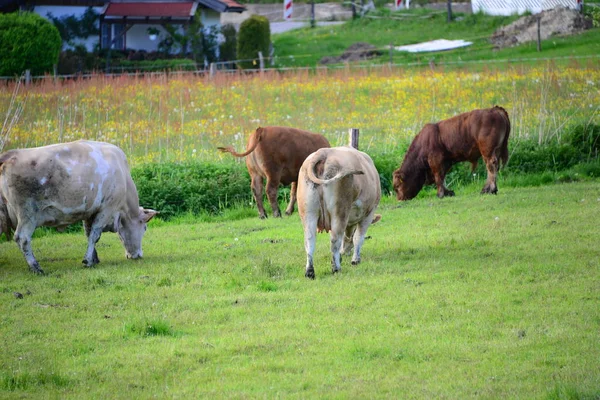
<point>27,41</point>
<point>71,28</point>
<point>254,36</point>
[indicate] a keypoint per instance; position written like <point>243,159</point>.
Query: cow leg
<point>93,232</point>
<point>272,186</point>
<point>87,226</point>
<point>359,237</point>
<point>492,166</point>
<point>348,243</point>
<point>290,208</point>
<point>257,192</point>
<point>337,238</point>
<point>23,235</point>
<point>439,174</point>
<point>310,239</point>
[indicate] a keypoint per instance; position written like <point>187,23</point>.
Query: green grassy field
<point>466,297</point>
<point>307,46</point>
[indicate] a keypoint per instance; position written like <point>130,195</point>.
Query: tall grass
<point>185,117</point>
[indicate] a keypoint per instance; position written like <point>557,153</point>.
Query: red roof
<point>232,4</point>
<point>173,10</point>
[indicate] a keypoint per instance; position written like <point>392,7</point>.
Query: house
<point>509,7</point>
<point>125,24</point>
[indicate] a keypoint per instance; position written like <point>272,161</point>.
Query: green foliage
<point>228,47</point>
<point>177,188</point>
<point>592,13</point>
<point>586,140</point>
<point>27,41</point>
<point>77,60</point>
<point>254,36</point>
<point>71,27</point>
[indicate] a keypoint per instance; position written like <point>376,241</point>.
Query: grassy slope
<point>472,296</point>
<point>308,46</point>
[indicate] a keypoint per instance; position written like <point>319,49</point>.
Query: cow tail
<point>312,174</point>
<point>255,139</point>
<point>504,148</point>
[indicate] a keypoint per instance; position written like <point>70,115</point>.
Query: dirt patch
<point>356,52</point>
<point>559,21</point>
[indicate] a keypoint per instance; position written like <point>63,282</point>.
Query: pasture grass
<point>466,297</point>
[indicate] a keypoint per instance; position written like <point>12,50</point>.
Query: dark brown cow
<point>276,154</point>
<point>465,137</point>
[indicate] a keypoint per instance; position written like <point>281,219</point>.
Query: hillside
<point>305,47</point>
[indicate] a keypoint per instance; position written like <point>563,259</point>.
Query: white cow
<point>62,184</point>
<point>338,191</point>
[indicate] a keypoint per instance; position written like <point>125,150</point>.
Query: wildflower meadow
<point>177,117</point>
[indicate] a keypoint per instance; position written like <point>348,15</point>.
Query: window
<point>112,32</point>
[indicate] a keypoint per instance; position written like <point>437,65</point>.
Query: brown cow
<point>338,191</point>
<point>465,137</point>
<point>276,154</point>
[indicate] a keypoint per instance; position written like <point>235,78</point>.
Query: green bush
<point>27,41</point>
<point>178,188</point>
<point>254,36</point>
<point>228,47</point>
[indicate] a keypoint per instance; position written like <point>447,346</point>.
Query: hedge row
<point>176,188</point>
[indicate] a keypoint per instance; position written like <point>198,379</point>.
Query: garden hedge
<point>27,41</point>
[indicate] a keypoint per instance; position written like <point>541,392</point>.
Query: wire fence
<point>230,67</point>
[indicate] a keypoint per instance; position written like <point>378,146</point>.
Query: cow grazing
<point>465,137</point>
<point>62,184</point>
<point>276,154</point>
<point>338,192</point>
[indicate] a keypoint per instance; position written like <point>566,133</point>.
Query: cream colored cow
<point>62,184</point>
<point>338,192</point>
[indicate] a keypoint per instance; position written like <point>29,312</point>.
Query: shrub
<point>27,41</point>
<point>228,47</point>
<point>177,188</point>
<point>586,140</point>
<point>254,36</point>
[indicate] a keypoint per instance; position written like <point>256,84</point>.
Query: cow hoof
<point>277,214</point>
<point>355,262</point>
<point>310,274</point>
<point>450,193</point>
<point>88,264</point>
<point>37,270</point>
<point>288,213</point>
<point>262,216</point>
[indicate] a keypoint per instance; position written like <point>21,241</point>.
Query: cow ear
<point>147,214</point>
<point>259,130</point>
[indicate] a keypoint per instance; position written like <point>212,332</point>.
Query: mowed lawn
<point>466,297</point>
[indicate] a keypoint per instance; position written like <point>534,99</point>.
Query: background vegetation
<point>178,121</point>
<point>27,41</point>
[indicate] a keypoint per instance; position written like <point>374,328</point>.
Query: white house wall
<point>63,11</point>
<point>509,7</point>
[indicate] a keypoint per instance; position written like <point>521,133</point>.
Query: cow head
<point>5,222</point>
<point>407,186</point>
<point>132,229</point>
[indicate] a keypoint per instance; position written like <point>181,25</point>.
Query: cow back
<point>282,150</point>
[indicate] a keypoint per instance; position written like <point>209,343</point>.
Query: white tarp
<point>434,45</point>
<point>509,7</point>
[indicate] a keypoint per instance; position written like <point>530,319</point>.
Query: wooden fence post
<point>27,76</point>
<point>353,135</point>
<point>212,70</point>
